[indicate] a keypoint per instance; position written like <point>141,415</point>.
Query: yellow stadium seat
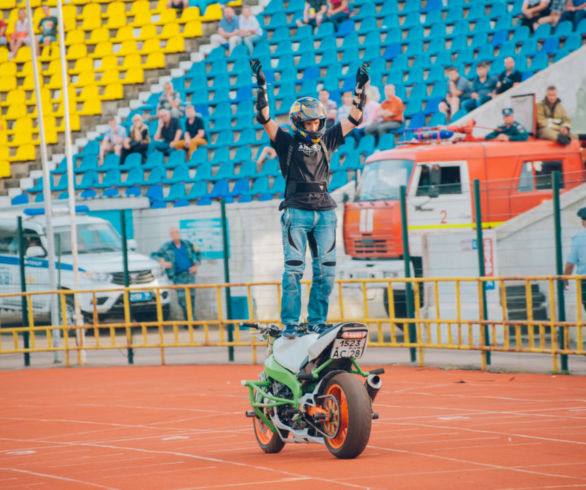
<point>148,31</point>
<point>27,84</point>
<point>175,45</point>
<point>22,126</point>
<point>90,107</point>
<point>108,63</point>
<point>69,16</point>
<point>161,5</point>
<point>193,29</point>
<point>37,16</point>
<point>170,30</point>
<point>85,78</point>
<point>133,75</point>
<point>102,50</point>
<point>51,52</point>
<point>8,4</point>
<point>12,17</point>
<point>155,60</point>
<point>141,19</point>
<point>213,12</point>
<point>113,91</point>
<point>55,81</point>
<point>4,167</point>
<point>99,35</point>
<point>81,65</point>
<point>8,69</point>
<point>115,9</point>
<point>109,76</point>
<point>75,36</point>
<point>16,111</point>
<point>3,133</point>
<point>76,51</point>
<point>53,67</point>
<point>15,97</point>
<point>131,61</point>
<point>4,54</point>
<point>139,6</point>
<point>74,122</point>
<point>116,21</point>
<point>127,47</point>
<point>27,69</point>
<point>150,46</point>
<point>23,55</point>
<point>92,17</point>
<point>24,153</point>
<point>90,92</point>
<point>7,83</point>
<point>189,14</point>
<point>50,129</point>
<point>79,2</point>
<point>235,3</point>
<point>166,16</point>
<point>125,33</point>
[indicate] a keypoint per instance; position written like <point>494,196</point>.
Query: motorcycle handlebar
<point>271,330</point>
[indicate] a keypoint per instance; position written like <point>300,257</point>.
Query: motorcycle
<point>309,391</point>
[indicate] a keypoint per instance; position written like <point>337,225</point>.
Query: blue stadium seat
<point>20,199</point>
<point>345,28</point>
<point>221,190</point>
<point>307,60</point>
<point>154,159</point>
<point>542,31</point>
<point>278,186</point>
<point>241,188</point>
<point>521,34</point>
<point>225,171</point>
<point>476,11</point>
<point>529,48</point>
<point>243,153</point>
<point>63,196</point>
<point>431,107</point>
<point>573,42</point>
<point>133,191</point>
<point>134,177</point>
<point>180,203</point>
<point>411,19</point>
<point>92,148</point>
<point>204,172</point>
<point>499,38</point>
<point>304,32</point>
<point>433,17</point>
<point>366,144</point>
<point>367,25</point>
<point>389,25</point>
<point>564,28</point>
<point>551,45</point>
<point>325,29</point>
<point>438,119</point>
<point>417,121</point>
<point>221,155</point>
<point>158,204</point>
<point>92,194</point>
<point>111,179</point>
<point>180,174</point>
<point>270,168</point>
<point>483,25</point>
<point>155,193</point>
<point>89,179</point>
<point>224,139</point>
<point>110,192</point>
<point>176,158</point>
<point>508,48</point>
<point>133,160</point>
<point>335,163</point>
<point>539,62</point>
<point>352,161</point>
<point>40,197</point>
<point>111,161</point>
<point>485,53</point>
<point>156,175</point>
<point>338,180</point>
<point>176,192</point>
<point>260,186</point>
<point>278,19</point>
<point>88,162</point>
<point>38,187</point>
<point>366,10</point>
<point>247,170</point>
<point>198,190</point>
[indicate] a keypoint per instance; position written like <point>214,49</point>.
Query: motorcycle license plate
<point>137,296</point>
<point>348,348</point>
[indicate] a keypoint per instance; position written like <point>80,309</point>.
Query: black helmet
<point>308,109</point>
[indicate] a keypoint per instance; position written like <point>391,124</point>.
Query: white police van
<point>100,264</point>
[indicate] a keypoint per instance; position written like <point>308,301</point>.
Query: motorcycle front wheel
<point>349,416</point>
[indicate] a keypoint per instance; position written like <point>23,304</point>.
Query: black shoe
<point>564,139</point>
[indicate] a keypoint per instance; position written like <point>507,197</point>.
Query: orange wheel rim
<point>263,431</point>
<point>338,421</point>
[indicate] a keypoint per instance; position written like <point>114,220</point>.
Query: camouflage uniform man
<point>510,130</point>
<point>181,259</point>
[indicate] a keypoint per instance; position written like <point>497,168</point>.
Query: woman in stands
<point>139,139</point>
<point>20,35</point>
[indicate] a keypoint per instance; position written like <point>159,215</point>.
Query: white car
<point>100,263</point>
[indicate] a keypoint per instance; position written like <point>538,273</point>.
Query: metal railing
<point>448,313</point>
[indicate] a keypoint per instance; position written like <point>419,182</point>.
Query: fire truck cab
<point>513,176</point>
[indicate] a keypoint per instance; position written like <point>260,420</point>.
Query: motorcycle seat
<point>292,353</point>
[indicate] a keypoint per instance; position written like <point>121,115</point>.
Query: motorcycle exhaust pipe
<point>373,384</point>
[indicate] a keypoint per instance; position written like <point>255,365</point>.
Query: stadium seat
<point>271,168</point>
<point>338,179</point>
<point>177,193</point>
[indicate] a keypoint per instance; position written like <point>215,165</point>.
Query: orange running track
<point>184,427</point>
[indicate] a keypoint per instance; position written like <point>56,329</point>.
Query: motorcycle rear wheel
<point>350,417</point>
<point>269,441</point>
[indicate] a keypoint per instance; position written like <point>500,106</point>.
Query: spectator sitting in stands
<point>168,132</point>
<point>510,130</point>
<point>171,101</point>
<point>483,87</point>
<point>532,10</point>
<point>553,122</point>
<point>138,141</point>
<point>48,28</point>
<point>3,38</point>
<point>179,5</point>
<point>390,112</point>
<point>370,112</point>
<point>575,11</point>
<point>228,31</point>
<point>509,77</point>
<point>113,140</point>
<point>330,105</point>
<point>557,7</point>
<point>313,13</point>
<point>194,134</point>
<point>338,12</point>
<point>249,28</point>
<point>20,35</point>
<point>459,90</point>
<point>267,152</point>
<point>346,107</point>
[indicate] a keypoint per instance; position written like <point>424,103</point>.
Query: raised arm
<point>355,117</point>
<point>262,101</point>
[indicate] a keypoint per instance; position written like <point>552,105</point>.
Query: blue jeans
<point>300,226</point>
<point>162,146</point>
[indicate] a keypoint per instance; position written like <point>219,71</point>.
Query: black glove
<point>362,77</point>
<point>256,68</point>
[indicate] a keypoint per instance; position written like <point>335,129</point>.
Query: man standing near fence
<point>577,257</point>
<point>181,259</point>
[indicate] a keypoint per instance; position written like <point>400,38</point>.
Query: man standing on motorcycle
<point>309,216</point>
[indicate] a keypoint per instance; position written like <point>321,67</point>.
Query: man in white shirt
<point>250,30</point>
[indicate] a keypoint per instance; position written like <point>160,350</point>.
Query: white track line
<point>55,477</point>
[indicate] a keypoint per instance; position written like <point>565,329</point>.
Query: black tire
<point>269,441</point>
<point>350,416</point>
